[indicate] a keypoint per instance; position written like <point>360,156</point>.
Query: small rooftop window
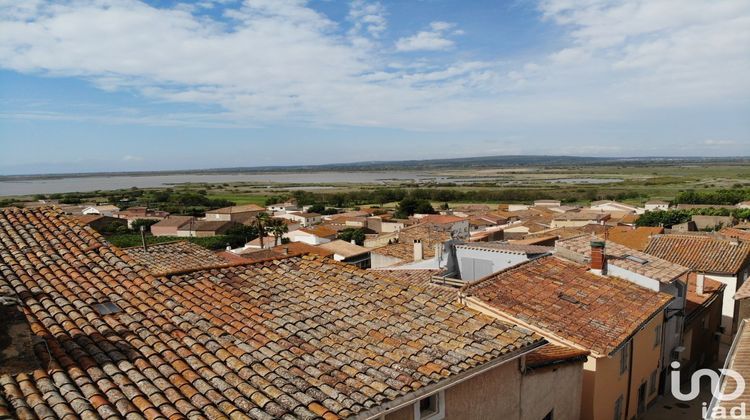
<point>106,308</point>
<point>568,298</point>
<point>633,258</point>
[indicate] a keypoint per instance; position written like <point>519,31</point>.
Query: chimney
<point>229,247</point>
<point>598,258</point>
<point>353,242</point>
<point>418,250</point>
<point>699,281</point>
<point>439,251</point>
<point>285,250</point>
<point>735,241</point>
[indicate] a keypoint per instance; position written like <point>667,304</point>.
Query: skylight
<point>633,258</point>
<point>106,308</point>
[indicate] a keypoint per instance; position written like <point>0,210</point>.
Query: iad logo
<point>713,377</point>
<point>734,412</point>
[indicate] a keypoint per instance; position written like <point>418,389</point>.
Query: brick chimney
<point>598,257</point>
<point>418,250</point>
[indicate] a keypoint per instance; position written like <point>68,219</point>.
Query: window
<point>624,358</point>
<point>618,409</point>
<point>549,415</point>
<point>432,407</point>
<point>657,336</point>
<point>652,389</point>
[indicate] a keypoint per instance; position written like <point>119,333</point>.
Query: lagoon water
<point>114,182</point>
<point>79,183</point>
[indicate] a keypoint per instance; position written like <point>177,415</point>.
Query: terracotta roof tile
<point>622,257</point>
<point>165,258</point>
<point>633,238</point>
<point>566,300</point>
<point>289,338</point>
<point>701,252</point>
<point>551,354</point>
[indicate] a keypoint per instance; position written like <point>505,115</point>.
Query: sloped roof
<point>701,252</point>
<point>238,209</point>
<point>736,233</point>
<point>319,231</point>
<point>512,248</point>
<point>173,221</point>
<point>564,299</point>
<point>300,337</point>
<point>404,248</point>
<point>344,248</point>
<point>633,238</point>
<point>165,258</point>
<point>624,257</point>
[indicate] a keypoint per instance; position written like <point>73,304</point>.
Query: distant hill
<point>428,164</point>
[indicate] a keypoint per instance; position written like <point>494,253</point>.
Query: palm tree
<point>278,228</point>
<point>262,219</point>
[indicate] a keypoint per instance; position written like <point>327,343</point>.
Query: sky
<point>118,85</point>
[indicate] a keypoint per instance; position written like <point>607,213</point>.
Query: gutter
<point>413,397</point>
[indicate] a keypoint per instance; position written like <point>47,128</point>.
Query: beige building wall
<point>603,384</point>
<point>504,393</point>
<point>550,388</point>
<point>646,358</point>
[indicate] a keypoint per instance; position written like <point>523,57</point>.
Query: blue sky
<point>91,85</point>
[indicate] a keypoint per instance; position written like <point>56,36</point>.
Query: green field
<point>240,198</point>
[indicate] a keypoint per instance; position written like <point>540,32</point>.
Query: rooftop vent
<point>106,308</point>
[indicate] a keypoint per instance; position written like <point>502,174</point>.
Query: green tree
<point>349,234</point>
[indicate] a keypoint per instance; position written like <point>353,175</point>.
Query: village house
<point>613,207</point>
<point>656,205</point>
<point>304,219</point>
<point>578,219</point>
<point>241,214</point>
<point>203,228</point>
<point>283,208</point>
<point>633,238</point>
<point>724,260</point>
<point>644,270</point>
<point>701,336</point>
<point>468,262</point>
<point>314,235</point>
<point>418,244</point>
<point>348,253</point>
<point>278,338</point>
<point>100,209</point>
<point>135,213</point>
<point>618,322</point>
<point>712,222</point>
<point>170,226</point>
<point>457,227</point>
<point>101,223</point>
<point>543,203</point>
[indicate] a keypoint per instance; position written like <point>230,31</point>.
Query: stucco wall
<point>645,361</point>
<point>728,307</point>
<point>549,388</point>
<point>497,393</point>
<point>379,260</point>
<point>492,395</point>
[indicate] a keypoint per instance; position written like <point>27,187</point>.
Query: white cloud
<point>280,61</point>
<point>370,17</point>
<point>432,40</point>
